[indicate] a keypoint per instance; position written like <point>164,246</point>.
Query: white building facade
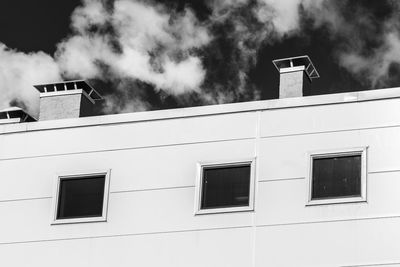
<point>153,164</point>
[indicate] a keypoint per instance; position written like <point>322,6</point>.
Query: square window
<point>81,198</point>
<point>338,177</point>
<point>225,187</point>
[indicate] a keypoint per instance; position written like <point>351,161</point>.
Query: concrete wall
<point>151,219</point>
<point>60,106</point>
<point>293,83</point>
<point>64,104</point>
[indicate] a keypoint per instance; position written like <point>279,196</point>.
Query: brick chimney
<point>70,99</point>
<point>296,75</point>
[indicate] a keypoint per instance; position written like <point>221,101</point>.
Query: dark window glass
<point>336,177</point>
<point>81,197</point>
<point>227,186</point>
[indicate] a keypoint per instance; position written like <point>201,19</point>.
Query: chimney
<point>70,99</point>
<point>14,115</point>
<point>296,74</point>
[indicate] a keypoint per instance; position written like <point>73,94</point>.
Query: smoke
<point>18,71</point>
<point>377,67</point>
<point>282,14</point>
<point>134,44</point>
<point>150,52</point>
<point>121,42</point>
<point>240,29</point>
<point>135,41</point>
<point>365,35</point>
<point>369,42</point>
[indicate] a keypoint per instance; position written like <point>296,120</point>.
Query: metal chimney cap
<point>286,63</point>
<point>11,109</point>
<point>13,113</point>
<point>68,86</point>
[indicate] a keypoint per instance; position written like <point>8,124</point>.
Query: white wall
<point>151,219</point>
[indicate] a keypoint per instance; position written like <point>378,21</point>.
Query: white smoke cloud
<point>19,71</point>
<point>148,43</point>
<point>90,13</point>
<point>78,56</point>
<point>251,25</point>
<point>155,46</point>
<point>144,41</point>
<point>374,68</point>
<point>283,14</point>
<point>371,67</point>
<point>281,18</point>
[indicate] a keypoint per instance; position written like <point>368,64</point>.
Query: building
<point>149,184</point>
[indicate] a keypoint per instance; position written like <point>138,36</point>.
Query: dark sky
<point>35,25</point>
<point>31,26</point>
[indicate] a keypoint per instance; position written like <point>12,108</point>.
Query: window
<point>225,187</point>
<point>81,198</point>
<point>337,177</point>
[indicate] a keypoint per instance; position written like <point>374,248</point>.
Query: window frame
<point>80,174</point>
<point>227,163</point>
<point>357,151</point>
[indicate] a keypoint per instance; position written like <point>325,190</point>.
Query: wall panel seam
<point>330,221</point>
<point>129,148</point>
<point>331,131</point>
<point>127,235</point>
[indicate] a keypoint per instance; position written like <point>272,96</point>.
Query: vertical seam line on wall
<point>256,176</point>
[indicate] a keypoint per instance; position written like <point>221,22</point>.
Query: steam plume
<point>144,47</point>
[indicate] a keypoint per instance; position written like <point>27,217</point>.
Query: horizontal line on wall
<point>178,187</point>
<point>102,123</point>
<point>126,235</point>
<point>302,178</point>
<point>330,131</point>
<point>23,199</point>
<point>152,189</point>
<point>373,265</point>
<point>112,192</point>
<point>192,230</point>
<point>149,189</point>
<point>384,171</point>
<point>130,148</point>
<point>282,179</point>
<point>330,221</point>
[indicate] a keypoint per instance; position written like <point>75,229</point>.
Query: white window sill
<point>342,200</point>
<point>79,220</point>
<point>223,210</point>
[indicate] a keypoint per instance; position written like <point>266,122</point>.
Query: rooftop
<point>285,103</point>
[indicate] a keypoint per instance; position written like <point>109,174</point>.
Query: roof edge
<point>340,98</point>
